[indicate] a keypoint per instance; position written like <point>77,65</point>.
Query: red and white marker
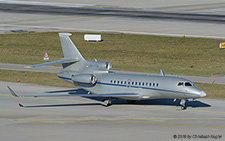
<point>46,57</point>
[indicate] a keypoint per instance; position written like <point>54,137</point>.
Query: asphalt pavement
<point>79,118</point>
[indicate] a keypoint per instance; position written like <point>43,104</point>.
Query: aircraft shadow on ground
<point>151,102</point>
<point>165,102</point>
<point>154,102</point>
<point>170,102</point>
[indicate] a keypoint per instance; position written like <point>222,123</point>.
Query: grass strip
<point>40,78</point>
<point>127,52</point>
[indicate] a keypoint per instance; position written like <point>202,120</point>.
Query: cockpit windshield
<point>184,84</point>
<point>180,84</point>
<point>188,84</point>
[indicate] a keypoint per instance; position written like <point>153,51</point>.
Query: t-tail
<point>74,62</point>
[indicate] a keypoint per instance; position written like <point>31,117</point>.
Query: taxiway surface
<point>194,19</point>
<point>79,118</point>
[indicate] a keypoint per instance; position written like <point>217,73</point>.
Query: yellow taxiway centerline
<point>155,107</point>
<point>119,120</point>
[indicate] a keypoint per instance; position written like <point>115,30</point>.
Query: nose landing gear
<point>183,104</point>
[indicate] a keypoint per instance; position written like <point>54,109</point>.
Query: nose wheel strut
<point>183,104</point>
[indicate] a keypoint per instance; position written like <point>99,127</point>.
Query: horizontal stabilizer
<point>64,60</point>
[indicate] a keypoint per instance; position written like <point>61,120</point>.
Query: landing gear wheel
<point>131,101</point>
<point>183,108</point>
<point>107,102</point>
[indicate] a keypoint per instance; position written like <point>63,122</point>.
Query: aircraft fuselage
<point>147,86</point>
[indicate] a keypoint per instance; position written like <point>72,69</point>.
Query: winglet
<point>12,92</point>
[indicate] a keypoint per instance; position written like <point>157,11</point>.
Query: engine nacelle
<point>87,80</point>
<point>104,66</point>
<point>100,65</point>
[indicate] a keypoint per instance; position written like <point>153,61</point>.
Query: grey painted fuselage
<point>146,86</point>
<point>96,77</point>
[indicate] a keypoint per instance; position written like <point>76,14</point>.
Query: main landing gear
<point>107,102</point>
<point>183,104</point>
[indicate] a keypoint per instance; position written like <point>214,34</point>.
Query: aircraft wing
<point>114,95</point>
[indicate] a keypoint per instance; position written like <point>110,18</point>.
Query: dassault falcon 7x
<point>96,78</point>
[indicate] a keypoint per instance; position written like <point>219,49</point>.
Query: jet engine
<point>104,66</point>
<point>100,65</point>
<point>87,80</point>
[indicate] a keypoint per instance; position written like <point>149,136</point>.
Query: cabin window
<point>111,81</point>
<point>146,84</point>
<point>188,84</point>
<point>118,82</point>
<point>121,82</point>
<point>132,83</point>
<point>139,83</point>
<point>180,84</point>
<point>125,82</point>
<point>114,81</point>
<point>157,84</point>
<point>143,83</point>
<point>153,84</point>
<point>150,84</point>
<point>136,83</point>
<point>128,83</point>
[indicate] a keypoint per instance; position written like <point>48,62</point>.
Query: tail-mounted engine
<point>107,66</point>
<point>99,66</point>
<point>87,80</point>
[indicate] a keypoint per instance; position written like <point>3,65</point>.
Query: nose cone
<point>202,94</point>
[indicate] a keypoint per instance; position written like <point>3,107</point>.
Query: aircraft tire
<point>183,108</point>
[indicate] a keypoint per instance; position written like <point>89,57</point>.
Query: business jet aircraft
<point>96,78</point>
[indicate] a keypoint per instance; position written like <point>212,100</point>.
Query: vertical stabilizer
<point>71,53</point>
<point>69,49</point>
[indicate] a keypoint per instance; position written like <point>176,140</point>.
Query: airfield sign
<point>222,45</point>
<point>46,57</point>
